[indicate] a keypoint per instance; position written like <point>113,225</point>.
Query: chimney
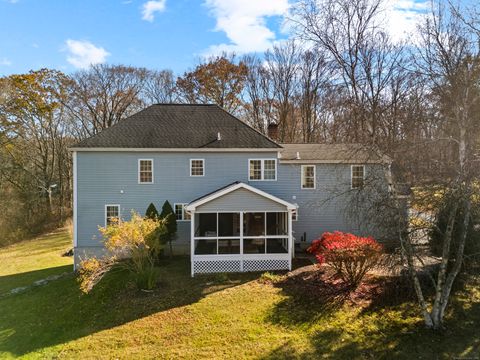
<point>272,131</point>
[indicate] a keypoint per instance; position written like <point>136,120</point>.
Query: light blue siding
<point>112,178</point>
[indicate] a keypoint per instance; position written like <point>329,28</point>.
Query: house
<point>243,202</point>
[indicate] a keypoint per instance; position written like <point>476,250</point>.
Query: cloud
<point>403,16</point>
<point>151,7</point>
<point>244,23</point>
<point>83,53</point>
<point>5,62</point>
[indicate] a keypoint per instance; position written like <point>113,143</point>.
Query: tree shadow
<point>381,321</point>
<point>58,312</point>
<point>9,282</point>
<point>310,295</point>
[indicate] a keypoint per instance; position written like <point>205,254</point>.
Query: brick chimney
<point>272,131</point>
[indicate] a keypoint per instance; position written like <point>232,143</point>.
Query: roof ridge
<point>249,126</point>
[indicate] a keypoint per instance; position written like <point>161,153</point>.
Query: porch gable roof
<point>233,187</point>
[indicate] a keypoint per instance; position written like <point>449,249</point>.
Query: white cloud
<point>244,23</point>
<point>83,53</point>
<point>5,62</point>
<point>403,16</point>
<point>151,7</point>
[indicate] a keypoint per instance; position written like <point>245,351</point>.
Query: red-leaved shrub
<point>350,255</point>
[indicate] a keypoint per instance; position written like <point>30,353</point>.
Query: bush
<point>350,255</point>
<point>132,245</point>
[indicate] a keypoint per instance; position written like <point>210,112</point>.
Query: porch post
<point>241,241</point>
<point>192,240</point>
<point>290,240</point>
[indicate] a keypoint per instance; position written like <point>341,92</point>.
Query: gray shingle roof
<point>179,126</point>
<point>330,153</point>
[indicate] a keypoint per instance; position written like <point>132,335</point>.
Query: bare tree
<point>448,57</point>
<point>103,95</point>
<point>159,87</point>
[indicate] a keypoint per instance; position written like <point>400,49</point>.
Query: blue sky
<point>164,34</point>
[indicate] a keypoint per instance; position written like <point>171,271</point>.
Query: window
<point>112,214</point>
<point>358,176</point>
<point>197,167</point>
<point>262,169</point>
<point>145,171</point>
<point>180,212</point>
<point>295,215</point>
<point>308,177</point>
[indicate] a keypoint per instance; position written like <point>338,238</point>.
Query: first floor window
<point>358,176</point>
<point>112,214</point>
<point>262,169</point>
<point>180,212</point>
<point>145,171</point>
<point>308,177</point>
<point>197,167</point>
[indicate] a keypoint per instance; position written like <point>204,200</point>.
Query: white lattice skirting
<point>216,266</point>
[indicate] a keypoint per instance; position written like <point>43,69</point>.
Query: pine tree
<point>151,212</point>
<point>171,223</point>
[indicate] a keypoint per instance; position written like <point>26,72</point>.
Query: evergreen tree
<point>151,212</point>
<point>171,223</point>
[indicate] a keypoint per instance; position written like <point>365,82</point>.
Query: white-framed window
<point>357,176</point>
<point>180,212</point>
<point>262,169</point>
<point>197,167</point>
<point>308,177</point>
<point>145,171</point>
<point>295,215</point>
<point>112,214</point>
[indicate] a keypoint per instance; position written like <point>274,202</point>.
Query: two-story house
<point>242,200</point>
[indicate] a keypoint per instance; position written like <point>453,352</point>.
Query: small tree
<point>350,255</point>
<point>131,245</point>
<point>168,215</point>
<point>151,212</point>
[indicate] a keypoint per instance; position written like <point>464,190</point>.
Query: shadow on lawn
<point>58,312</point>
<point>9,282</point>
<point>380,328</point>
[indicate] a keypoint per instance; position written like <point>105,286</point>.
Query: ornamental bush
<point>131,245</point>
<point>351,256</point>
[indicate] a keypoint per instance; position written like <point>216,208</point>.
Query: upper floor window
<point>180,213</point>
<point>112,214</point>
<point>145,171</point>
<point>357,176</point>
<point>308,177</point>
<point>197,167</point>
<point>262,169</point>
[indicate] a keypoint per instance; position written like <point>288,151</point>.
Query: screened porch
<point>226,237</point>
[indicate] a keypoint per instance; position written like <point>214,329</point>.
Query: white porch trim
<point>193,205</point>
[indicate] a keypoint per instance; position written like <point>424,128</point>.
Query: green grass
<point>235,316</point>
<point>24,262</point>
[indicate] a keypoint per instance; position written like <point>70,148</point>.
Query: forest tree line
<point>339,79</point>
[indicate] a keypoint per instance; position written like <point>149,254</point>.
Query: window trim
<point>302,177</point>
<point>296,215</point>
<point>105,212</point>
<point>262,169</point>
<point>138,172</point>
<point>203,167</point>
<point>183,212</point>
<point>351,176</point>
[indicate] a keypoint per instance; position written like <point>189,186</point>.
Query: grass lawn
<point>235,316</point>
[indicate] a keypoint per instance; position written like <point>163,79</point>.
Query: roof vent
<point>219,136</point>
<point>298,155</point>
